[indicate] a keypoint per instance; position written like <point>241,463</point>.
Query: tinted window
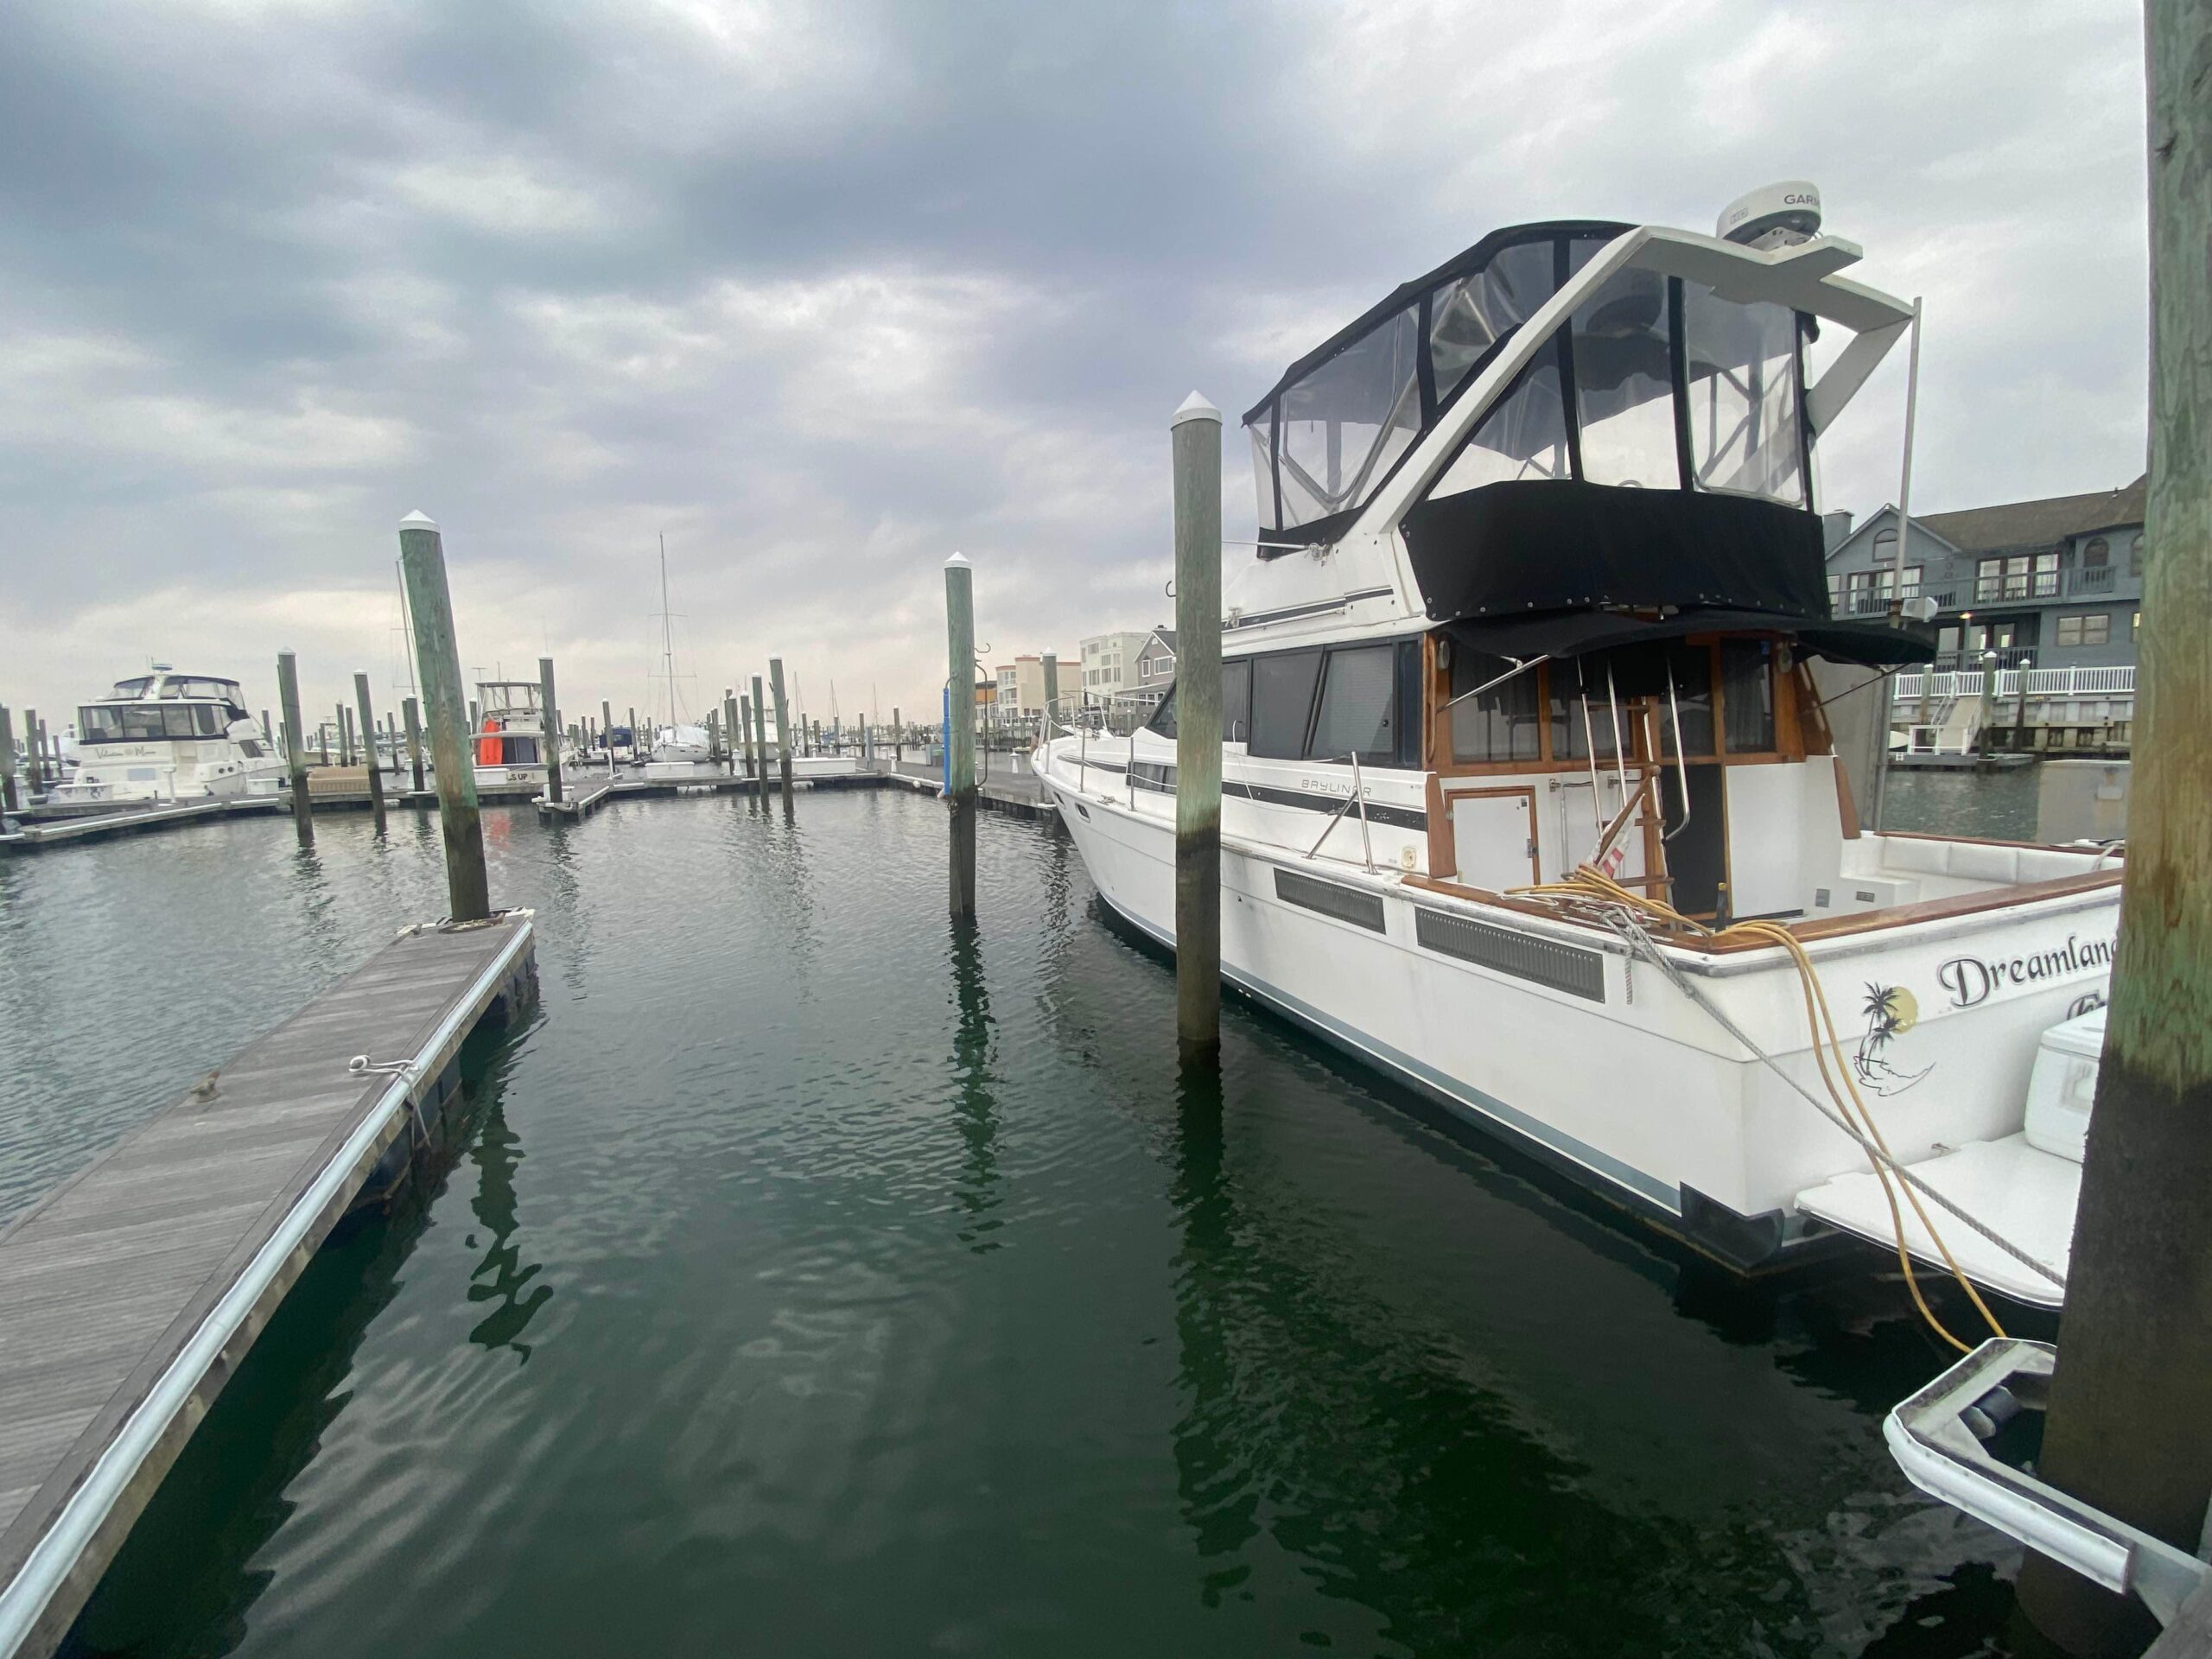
<point>1163,718</point>
<point>1283,699</point>
<point>1235,701</point>
<point>1746,697</point>
<point>1499,724</point>
<point>1691,669</point>
<point>1358,695</point>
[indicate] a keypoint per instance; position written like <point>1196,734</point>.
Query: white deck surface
<point>2024,1194</point>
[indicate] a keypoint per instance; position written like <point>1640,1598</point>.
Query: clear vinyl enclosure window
<point>1471,314</point>
<point>1346,424</point>
<point>1523,436</point>
<point>1740,365</point>
<point>1625,383</point>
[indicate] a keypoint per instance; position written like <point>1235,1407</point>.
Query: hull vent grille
<point>1345,904</point>
<point>1545,962</point>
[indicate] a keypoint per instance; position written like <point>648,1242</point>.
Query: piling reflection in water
<point>503,1278</point>
<point>975,1099</point>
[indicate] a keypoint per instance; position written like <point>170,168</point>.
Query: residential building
<point>1156,661</point>
<point>1109,662</point>
<point>2057,581</point>
<point>1021,685</point>
<point>2053,587</point>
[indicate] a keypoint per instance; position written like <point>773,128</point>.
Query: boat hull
<point>1565,1043</point>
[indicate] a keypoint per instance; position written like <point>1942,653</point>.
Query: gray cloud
<point>826,291</point>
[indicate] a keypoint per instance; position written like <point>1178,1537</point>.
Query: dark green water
<point>1998,805</point>
<point>815,1279</point>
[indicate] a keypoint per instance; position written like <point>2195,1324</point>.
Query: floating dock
<point>59,832</point>
<point>129,1295</point>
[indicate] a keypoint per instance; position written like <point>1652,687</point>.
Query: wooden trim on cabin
<point>1926,910</point>
<point>1443,850</point>
<point>1830,927</point>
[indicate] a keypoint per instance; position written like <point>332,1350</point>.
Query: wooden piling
<point>2132,1391</point>
<point>607,733</point>
<point>960,730</point>
<point>1194,440</point>
<point>437,664</point>
<point>898,738</point>
<point>10,800</point>
<point>376,768</point>
<point>760,742</point>
<point>296,746</point>
<point>549,719</point>
<point>783,726</point>
<point>736,731</point>
<point>34,762</point>
<point>411,714</point>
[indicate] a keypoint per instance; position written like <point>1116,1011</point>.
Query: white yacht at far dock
<point>162,736</point>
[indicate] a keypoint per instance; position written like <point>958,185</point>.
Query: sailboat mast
<point>667,639</point>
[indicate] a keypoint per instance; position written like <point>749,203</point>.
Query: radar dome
<point>1773,216</point>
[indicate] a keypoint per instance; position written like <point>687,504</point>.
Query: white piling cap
<point>1195,408</point>
<point>418,519</point>
<point>958,562</point>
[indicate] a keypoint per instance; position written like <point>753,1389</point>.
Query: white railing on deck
<point>2042,683</point>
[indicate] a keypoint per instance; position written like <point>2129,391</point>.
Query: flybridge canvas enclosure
<point>1472,552</point>
<point>1344,415</point>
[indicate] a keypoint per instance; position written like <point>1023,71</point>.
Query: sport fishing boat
<point>510,739</point>
<point>163,736</point>
<point>1527,797</point>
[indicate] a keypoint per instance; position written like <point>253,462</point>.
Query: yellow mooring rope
<point>1589,884</point>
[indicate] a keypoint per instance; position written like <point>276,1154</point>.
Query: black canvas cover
<point>1554,544</point>
<point>1870,642</point>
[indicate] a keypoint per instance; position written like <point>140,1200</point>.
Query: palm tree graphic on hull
<point>1891,1011</point>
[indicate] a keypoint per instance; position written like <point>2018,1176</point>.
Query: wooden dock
<point>129,1295</point>
<point>579,800</point>
<point>61,832</point>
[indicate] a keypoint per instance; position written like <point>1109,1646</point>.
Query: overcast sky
<point>826,291</point>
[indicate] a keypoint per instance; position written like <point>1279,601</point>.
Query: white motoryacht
<point>1520,737</point>
<point>163,736</point>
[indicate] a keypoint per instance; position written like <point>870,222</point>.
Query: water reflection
<point>975,1104</point>
<point>502,1277</point>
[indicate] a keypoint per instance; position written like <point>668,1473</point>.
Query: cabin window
<point>207,721</point>
<point>96,724</point>
<point>1236,701</point>
<point>1581,717</point>
<point>1747,696</point>
<point>1357,714</point>
<point>1282,703</point>
<point>1690,668</point>
<point>1346,424</point>
<point>1523,436</point>
<point>1740,373</point>
<point>1623,384</point>
<point>1500,723</point>
<point>1470,315</point>
<point>250,748</point>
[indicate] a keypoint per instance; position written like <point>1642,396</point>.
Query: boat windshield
<point>1673,388</point>
<point>127,722</point>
